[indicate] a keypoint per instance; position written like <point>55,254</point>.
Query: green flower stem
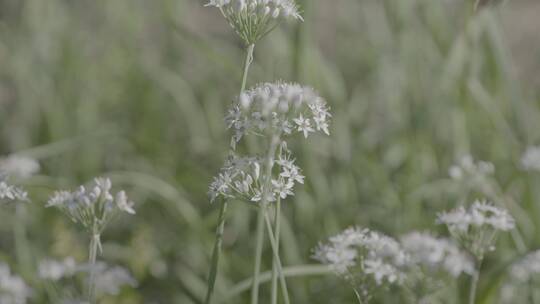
<point>216,252</point>
<point>223,211</point>
<point>247,64</point>
<point>94,245</point>
<point>269,164</point>
<point>277,228</point>
<point>474,282</point>
<point>273,243</point>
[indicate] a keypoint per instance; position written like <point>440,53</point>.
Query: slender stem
<point>94,244</point>
<point>277,228</point>
<point>269,163</point>
<point>273,243</point>
<point>219,234</point>
<point>474,283</point>
<point>358,297</point>
<point>247,64</point>
<point>258,257</point>
<point>216,252</point>
<point>22,246</point>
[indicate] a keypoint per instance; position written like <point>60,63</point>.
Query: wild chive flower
<point>93,207</point>
<point>468,168</point>
<point>253,19</point>
<point>278,108</point>
<point>56,270</point>
<point>530,161</point>
<point>17,166</point>
<point>476,228</point>
<point>436,253</point>
<point>10,193</point>
<point>365,259</point>
<point>523,276</point>
<point>241,178</point>
<point>13,290</point>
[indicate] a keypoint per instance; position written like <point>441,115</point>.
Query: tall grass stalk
<point>474,282</point>
<point>216,252</point>
<point>279,268</point>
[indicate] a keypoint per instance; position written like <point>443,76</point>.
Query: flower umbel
<point>93,206</point>
<point>13,290</point>
<point>253,19</point>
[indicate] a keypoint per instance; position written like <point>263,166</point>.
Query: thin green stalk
<point>216,252</point>
<point>273,244</point>
<point>219,234</point>
<point>247,64</point>
<point>474,283</point>
<point>269,163</point>
<point>22,246</point>
<point>258,257</point>
<point>277,228</point>
<point>94,245</point>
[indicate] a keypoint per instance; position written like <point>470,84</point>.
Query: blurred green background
<point>137,91</point>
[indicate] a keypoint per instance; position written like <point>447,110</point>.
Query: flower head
<point>466,167</point>
<point>476,228</point>
<point>17,166</point>
<point>253,19</point>
<point>278,108</point>
<point>437,253</point>
<point>10,193</point>
<point>56,270</point>
<point>92,206</point>
<point>530,161</point>
<point>363,253</point>
<point>13,290</point>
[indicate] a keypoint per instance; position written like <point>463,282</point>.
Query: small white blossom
<point>476,228</point>
<point>363,253</point>
<point>253,19</point>
<point>110,280</point>
<point>530,161</point>
<point>10,193</point>
<point>526,268</point>
<point>56,270</point>
<point>18,166</point>
<point>272,108</point>
<point>435,253</point>
<point>13,290</point>
<point>91,206</point>
<point>468,168</point>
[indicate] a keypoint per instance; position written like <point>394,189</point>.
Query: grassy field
<point>137,91</point>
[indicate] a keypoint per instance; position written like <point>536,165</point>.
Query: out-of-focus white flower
<point>91,206</point>
<point>110,280</point>
<point>358,252</point>
<point>57,270</point>
<point>10,193</point>
<point>13,290</point>
<point>273,107</point>
<point>526,268</point>
<point>481,213</point>
<point>437,253</point>
<point>466,167</point>
<point>530,161</point>
<point>253,19</point>
<point>476,228</point>
<point>18,166</point>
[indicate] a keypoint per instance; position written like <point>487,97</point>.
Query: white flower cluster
<point>109,280</point>
<point>358,252</point>
<point>10,193</point>
<point>437,253</point>
<point>17,166</point>
<point>241,178</point>
<point>253,19</point>
<point>476,228</point>
<point>468,168</point>
<point>56,270</point>
<point>481,213</point>
<point>526,268</point>
<point>530,161</point>
<point>92,207</point>
<point>13,290</point>
<point>278,108</point>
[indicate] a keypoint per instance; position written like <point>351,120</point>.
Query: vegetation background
<point>137,90</point>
